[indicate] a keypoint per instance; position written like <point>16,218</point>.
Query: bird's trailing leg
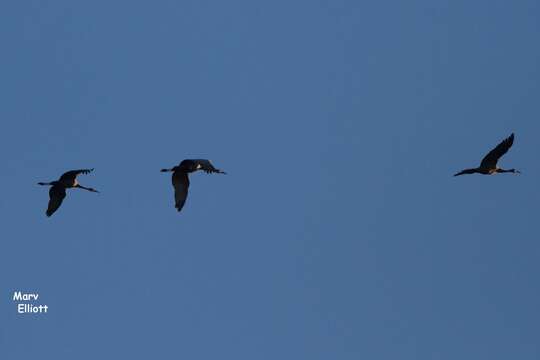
<point>86,188</point>
<point>215,171</point>
<point>166,170</point>
<point>513,171</point>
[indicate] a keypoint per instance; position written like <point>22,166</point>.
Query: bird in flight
<point>180,179</point>
<point>488,166</point>
<point>57,192</point>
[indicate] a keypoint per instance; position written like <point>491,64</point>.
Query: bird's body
<point>488,166</point>
<point>57,192</point>
<point>180,178</point>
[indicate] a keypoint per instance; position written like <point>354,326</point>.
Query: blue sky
<point>339,231</point>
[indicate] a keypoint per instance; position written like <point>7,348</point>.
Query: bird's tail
<point>166,170</point>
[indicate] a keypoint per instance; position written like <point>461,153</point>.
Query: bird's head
<point>48,183</point>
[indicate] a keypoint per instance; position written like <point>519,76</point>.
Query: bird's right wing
<point>206,165</point>
<point>56,196</point>
<point>490,160</point>
<point>180,183</point>
<point>72,174</point>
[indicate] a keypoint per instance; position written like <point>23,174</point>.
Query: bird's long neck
<point>468,171</point>
<point>48,183</point>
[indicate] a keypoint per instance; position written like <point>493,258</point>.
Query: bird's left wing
<point>180,183</point>
<point>490,160</point>
<point>56,196</point>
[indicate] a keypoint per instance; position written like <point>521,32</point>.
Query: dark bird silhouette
<point>180,179</point>
<point>488,166</point>
<point>57,193</point>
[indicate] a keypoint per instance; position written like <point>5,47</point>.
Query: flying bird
<point>57,192</point>
<point>180,179</point>
<point>488,166</point>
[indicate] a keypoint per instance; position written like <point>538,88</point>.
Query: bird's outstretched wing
<point>490,160</point>
<point>180,183</point>
<point>72,174</point>
<point>206,165</point>
<point>56,196</point>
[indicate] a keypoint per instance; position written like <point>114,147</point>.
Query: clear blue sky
<point>339,232</point>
